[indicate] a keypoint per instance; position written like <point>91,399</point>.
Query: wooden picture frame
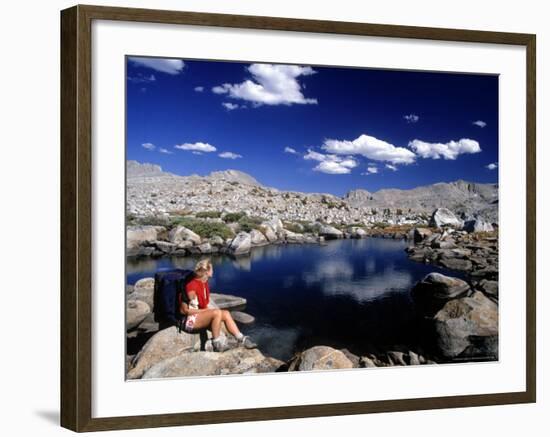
<point>76,217</point>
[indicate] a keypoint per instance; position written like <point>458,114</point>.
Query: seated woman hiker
<point>198,315</point>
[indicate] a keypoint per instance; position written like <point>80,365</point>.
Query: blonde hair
<point>202,267</point>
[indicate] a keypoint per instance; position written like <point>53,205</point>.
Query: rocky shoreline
<point>237,234</point>
<point>460,320</point>
<point>179,240</point>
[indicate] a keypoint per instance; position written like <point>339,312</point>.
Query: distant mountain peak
<point>135,169</point>
<point>460,196</point>
<point>234,176</point>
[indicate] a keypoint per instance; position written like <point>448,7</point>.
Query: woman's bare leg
<point>230,323</point>
<point>211,318</point>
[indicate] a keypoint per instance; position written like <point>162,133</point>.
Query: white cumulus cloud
<point>197,147</point>
<point>148,146</point>
<point>492,165</point>
<point>291,150</point>
<point>411,118</point>
<point>163,150</point>
<point>270,85</point>
<point>480,123</point>
<point>371,148</point>
<point>142,78</point>
<point>199,89</point>
<point>449,150</point>
<point>391,167</point>
<point>169,66</point>
<point>331,164</point>
<point>372,170</point>
<point>229,155</point>
<point>230,106</point>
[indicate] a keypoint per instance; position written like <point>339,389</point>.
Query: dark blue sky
<point>271,107</point>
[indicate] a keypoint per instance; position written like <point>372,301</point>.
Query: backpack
<point>168,293</point>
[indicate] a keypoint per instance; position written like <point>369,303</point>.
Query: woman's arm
<point>186,309</point>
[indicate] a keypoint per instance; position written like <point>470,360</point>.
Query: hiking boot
<point>247,343</point>
<point>220,346</point>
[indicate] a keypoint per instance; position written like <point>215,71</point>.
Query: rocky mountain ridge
<point>152,191</point>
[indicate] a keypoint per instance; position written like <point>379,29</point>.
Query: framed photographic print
<point>311,218</point>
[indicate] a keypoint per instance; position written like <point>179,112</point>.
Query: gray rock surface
<point>144,283</point>
<point>257,238</point>
<point>136,312</point>
<point>165,344</point>
<point>233,361</point>
<point>435,289</point>
<point>330,232</point>
<point>227,301</point>
<point>421,234</point>
<point>456,264</point>
<point>323,358</point>
<point>444,217</point>
<point>269,233</point>
<point>489,287</point>
<point>439,286</point>
<point>144,290</point>
<point>478,225</point>
<point>293,237</point>
<point>181,233</point>
<point>137,235</point>
<point>242,317</point>
<point>357,232</point>
<point>468,327</point>
<point>241,244</point>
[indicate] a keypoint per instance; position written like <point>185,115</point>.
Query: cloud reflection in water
<point>338,278</point>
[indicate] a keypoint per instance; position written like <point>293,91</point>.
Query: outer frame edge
<point>76,218</point>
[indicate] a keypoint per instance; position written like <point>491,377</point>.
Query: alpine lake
<point>349,293</point>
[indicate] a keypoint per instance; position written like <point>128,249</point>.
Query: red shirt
<point>201,290</point>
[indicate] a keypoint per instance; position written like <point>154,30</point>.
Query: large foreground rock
<point>456,263</point>
<point>420,234</point>
<point>323,358</point>
<point>138,235</point>
<point>136,312</point>
<point>490,288</point>
<point>227,301</point>
<point>180,234</point>
<point>144,283</point>
<point>243,318</point>
<point>144,290</point>
<point>468,327</point>
<point>330,232</point>
<point>293,237</point>
<point>241,243</point>
<point>234,361</point>
<point>268,231</point>
<point>478,225</point>
<point>444,217</point>
<point>357,232</point>
<point>276,224</point>
<point>165,344</point>
<point>435,289</point>
<point>257,238</point>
